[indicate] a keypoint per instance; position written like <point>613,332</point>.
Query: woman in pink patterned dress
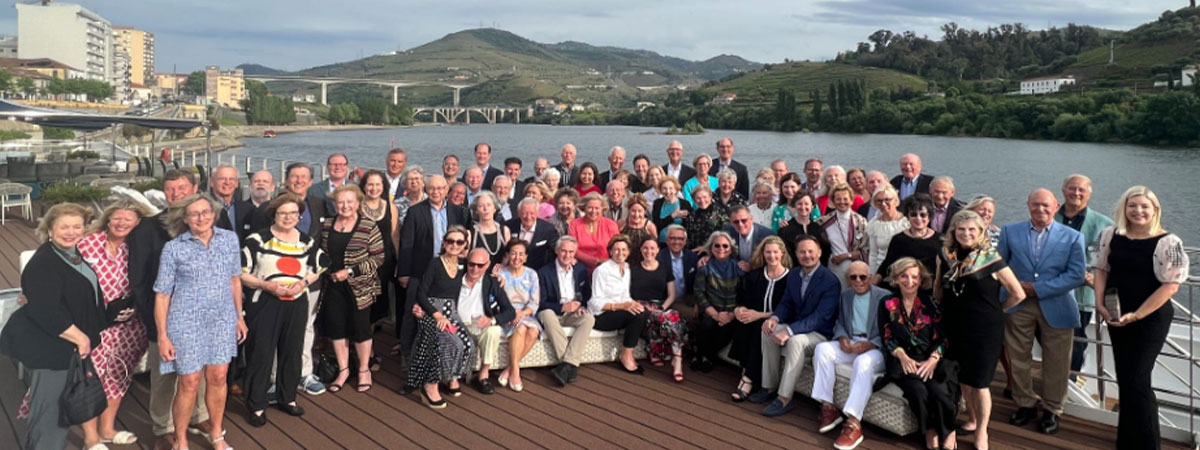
<point>122,344</point>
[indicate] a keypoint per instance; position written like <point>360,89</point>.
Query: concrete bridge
<point>455,114</point>
<point>326,81</point>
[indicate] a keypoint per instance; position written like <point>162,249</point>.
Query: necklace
<point>483,238</point>
<point>374,213</point>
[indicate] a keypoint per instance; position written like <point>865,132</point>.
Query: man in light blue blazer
<point>1049,260</point>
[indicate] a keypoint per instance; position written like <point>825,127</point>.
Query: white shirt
<point>566,282</point>
<point>762,216</point>
<point>470,301</point>
<point>527,235</point>
<point>394,183</point>
<point>673,172</point>
<point>608,286</point>
<point>879,236</point>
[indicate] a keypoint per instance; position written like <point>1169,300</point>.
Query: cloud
<point>296,34</point>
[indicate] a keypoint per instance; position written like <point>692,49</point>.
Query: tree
<point>26,86</point>
<point>195,83</point>
<point>833,101</point>
<point>6,81</point>
<point>785,110</point>
<point>816,106</point>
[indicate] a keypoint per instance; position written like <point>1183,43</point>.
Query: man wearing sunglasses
<point>482,306</point>
<point>803,319</point>
<point>856,343</point>
<point>748,234</point>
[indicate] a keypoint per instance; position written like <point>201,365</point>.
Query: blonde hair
<point>1122,222</point>
<point>57,212</point>
<point>758,261</point>
<point>123,204</point>
<point>906,263</point>
<point>358,193</point>
<point>595,196</point>
<point>982,242</point>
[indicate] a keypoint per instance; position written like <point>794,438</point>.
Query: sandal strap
<point>219,439</point>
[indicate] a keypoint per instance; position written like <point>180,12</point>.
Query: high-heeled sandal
<point>221,439</point>
<point>335,387</point>
<point>743,390</point>
<point>364,387</point>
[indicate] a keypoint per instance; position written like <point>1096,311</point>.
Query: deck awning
<point>84,121</point>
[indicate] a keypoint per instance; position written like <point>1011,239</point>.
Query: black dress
<point>924,250</point>
<point>387,270</point>
<point>794,230</point>
<point>747,340</point>
<point>440,355</point>
<point>972,316</point>
<point>1132,272</point>
<point>342,318</point>
<point>650,286</point>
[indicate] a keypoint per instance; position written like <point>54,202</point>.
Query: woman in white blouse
<point>881,229</point>
<point>611,304</point>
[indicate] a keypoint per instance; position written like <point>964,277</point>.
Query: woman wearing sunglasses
<point>918,241</point>
<point>443,350</point>
<point>716,288</point>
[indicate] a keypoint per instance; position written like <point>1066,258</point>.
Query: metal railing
<point>1172,351</point>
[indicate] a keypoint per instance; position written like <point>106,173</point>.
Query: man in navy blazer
<point>803,319</point>
<point>565,290</point>
<point>682,262</point>
<point>911,180</point>
<point>1049,260</point>
<point>746,234</point>
<point>539,234</point>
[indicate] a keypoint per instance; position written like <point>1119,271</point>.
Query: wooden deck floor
<point>16,236</point>
<point>605,409</point>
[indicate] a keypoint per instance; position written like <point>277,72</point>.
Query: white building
<point>8,47</point>
<point>1045,85</point>
<point>66,33</point>
<point>1189,73</point>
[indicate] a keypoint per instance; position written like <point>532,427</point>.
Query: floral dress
<point>523,292</point>
<point>666,331</point>
<point>703,222</point>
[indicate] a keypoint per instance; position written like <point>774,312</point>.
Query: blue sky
<point>296,34</point>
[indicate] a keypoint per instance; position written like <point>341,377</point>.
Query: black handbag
<point>327,368</point>
<point>83,398</point>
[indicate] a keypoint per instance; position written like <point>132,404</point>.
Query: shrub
<point>70,192</point>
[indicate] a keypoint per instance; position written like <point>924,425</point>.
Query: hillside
<point>803,77</point>
<point>258,69</point>
<point>506,68</point>
<point>1143,52</point>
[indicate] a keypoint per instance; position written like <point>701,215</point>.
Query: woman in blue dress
<point>521,285</point>
<point>198,308</point>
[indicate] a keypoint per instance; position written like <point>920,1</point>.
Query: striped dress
<point>364,254</point>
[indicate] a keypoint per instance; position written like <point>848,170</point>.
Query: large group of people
<point>899,281</point>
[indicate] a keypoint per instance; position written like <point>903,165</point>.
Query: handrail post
<point>1100,384</point>
<point>247,165</point>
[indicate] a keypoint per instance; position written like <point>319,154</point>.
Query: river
<point>1005,169</point>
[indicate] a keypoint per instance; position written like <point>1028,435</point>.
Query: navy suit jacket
<point>541,250</point>
<point>416,238</point>
<point>816,310</point>
<point>548,279</point>
<point>1057,273</point>
<point>690,260</point>
<point>923,181</point>
<point>242,211</point>
<point>760,233</point>
<point>495,300</point>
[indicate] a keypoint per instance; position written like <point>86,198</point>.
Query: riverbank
<point>231,136</point>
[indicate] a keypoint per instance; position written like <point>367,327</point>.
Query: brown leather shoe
<point>235,390</point>
<point>165,442</point>
<point>830,417</point>
<point>851,436</point>
<point>201,429</point>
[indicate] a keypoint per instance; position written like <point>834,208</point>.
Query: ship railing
<point>1097,406</point>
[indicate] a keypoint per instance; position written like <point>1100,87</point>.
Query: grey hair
<point>943,179</point>
<point>414,168</point>
<point>481,194</point>
<point>1079,176</point>
<point>564,239</point>
<point>176,219</point>
<point>613,151</point>
<point>676,226</point>
<point>552,170</point>
<point>527,201</point>
<point>712,238</point>
<point>726,174</point>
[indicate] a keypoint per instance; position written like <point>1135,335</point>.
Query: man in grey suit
<point>856,342</point>
<point>1048,259</point>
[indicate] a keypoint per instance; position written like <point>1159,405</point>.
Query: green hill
<point>505,68</point>
<point>803,77</point>
<point>1159,47</point>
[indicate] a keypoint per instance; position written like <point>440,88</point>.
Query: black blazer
<point>242,212</point>
<point>952,208</point>
<point>603,179</point>
<point>923,181</point>
<point>58,297</point>
<point>656,211</point>
<point>146,243</point>
<point>743,176</point>
<point>864,209</point>
<point>548,279</point>
<point>313,204</point>
<point>495,299</point>
<point>568,177</point>
<point>686,172</point>
<point>541,250</point>
<point>416,238</point>
<point>689,268</point>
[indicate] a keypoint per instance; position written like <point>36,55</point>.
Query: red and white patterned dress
<point>121,345</point>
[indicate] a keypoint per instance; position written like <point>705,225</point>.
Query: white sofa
<point>602,346</point>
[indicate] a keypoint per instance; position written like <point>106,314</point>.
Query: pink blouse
<point>593,245</point>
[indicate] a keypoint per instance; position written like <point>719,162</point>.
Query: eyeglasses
<point>288,214</point>
<point>455,241</point>
<point>856,277</point>
<point>476,265</point>
<point>923,215</point>
<point>722,246</point>
<point>741,220</point>
<point>202,214</point>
